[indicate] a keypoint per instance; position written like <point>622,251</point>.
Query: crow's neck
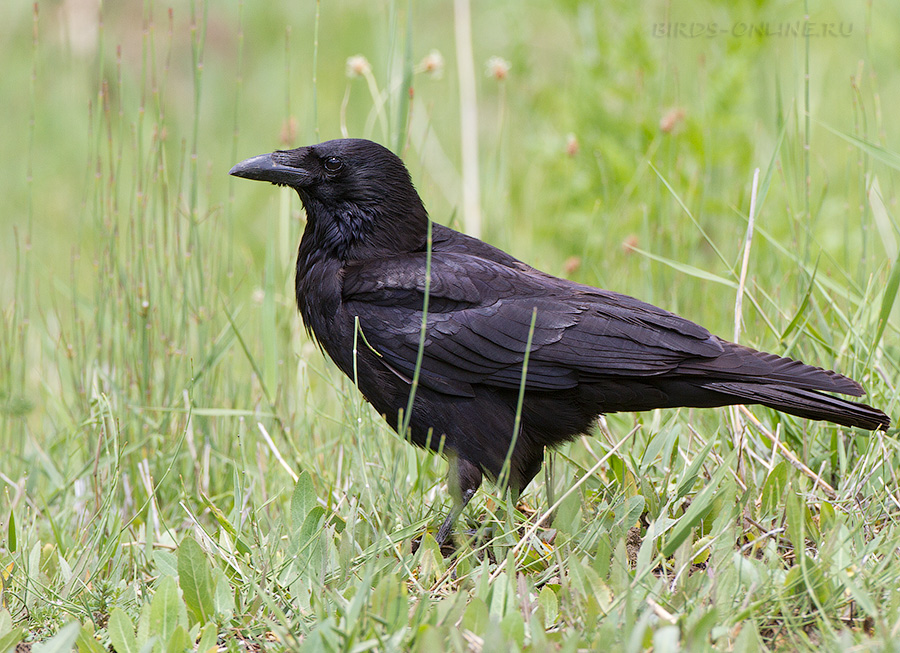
<point>355,232</point>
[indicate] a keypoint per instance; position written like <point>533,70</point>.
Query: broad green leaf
<point>655,534</point>
<point>793,581</point>
<point>476,617</point>
<point>179,642</point>
<point>513,627</point>
<point>628,512</point>
<point>429,639</point>
<point>499,593</point>
<point>308,537</point>
<point>568,515</point>
<point>208,637</point>
<point>167,610</point>
<point>5,623</point>
<point>34,562</point>
<point>666,639</point>
<point>302,500</point>
<point>389,602</point>
<point>86,642</point>
<point>195,579</point>
<point>166,563</point>
<point>602,557</point>
<point>62,642</point>
<point>142,632</point>
<point>223,598</point>
<point>311,525</point>
<point>121,632</point>
<point>748,638</point>
<point>431,561</point>
<point>772,494</point>
<point>796,522</point>
<point>11,533</point>
<point>827,516</point>
<point>10,639</point>
<point>550,606</point>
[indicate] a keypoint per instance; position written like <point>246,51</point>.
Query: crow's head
<point>358,196</point>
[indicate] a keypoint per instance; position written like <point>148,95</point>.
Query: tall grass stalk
<point>468,114</point>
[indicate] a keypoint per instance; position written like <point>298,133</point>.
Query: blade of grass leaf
<point>689,214</point>
<point>249,356</point>
<point>503,478</point>
<point>887,228</point>
<point>537,524</point>
<point>687,269</point>
<point>405,90</point>
<point>800,314</point>
<point>700,506</point>
<point>887,305</point>
<point>888,158</point>
<point>407,414</point>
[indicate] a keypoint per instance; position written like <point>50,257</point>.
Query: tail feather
<point>804,403</point>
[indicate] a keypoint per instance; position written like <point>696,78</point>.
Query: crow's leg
<point>464,480</point>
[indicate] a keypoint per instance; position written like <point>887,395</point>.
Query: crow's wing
<point>480,314</point>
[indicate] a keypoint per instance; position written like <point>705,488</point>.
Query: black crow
<point>367,274</point>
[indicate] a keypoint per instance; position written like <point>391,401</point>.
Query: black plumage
<point>364,260</point>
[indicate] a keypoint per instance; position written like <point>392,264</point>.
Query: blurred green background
<point>148,325</point>
<point>602,74</point>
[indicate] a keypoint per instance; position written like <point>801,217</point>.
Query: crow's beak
<point>265,167</point>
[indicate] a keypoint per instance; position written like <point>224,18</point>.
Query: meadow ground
<point>182,469</point>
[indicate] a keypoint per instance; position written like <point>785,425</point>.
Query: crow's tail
<point>804,403</point>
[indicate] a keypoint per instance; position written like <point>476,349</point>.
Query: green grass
<point>180,466</point>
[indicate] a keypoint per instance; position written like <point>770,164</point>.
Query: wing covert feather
<point>480,317</point>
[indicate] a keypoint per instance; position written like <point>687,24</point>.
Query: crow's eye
<point>333,164</point>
